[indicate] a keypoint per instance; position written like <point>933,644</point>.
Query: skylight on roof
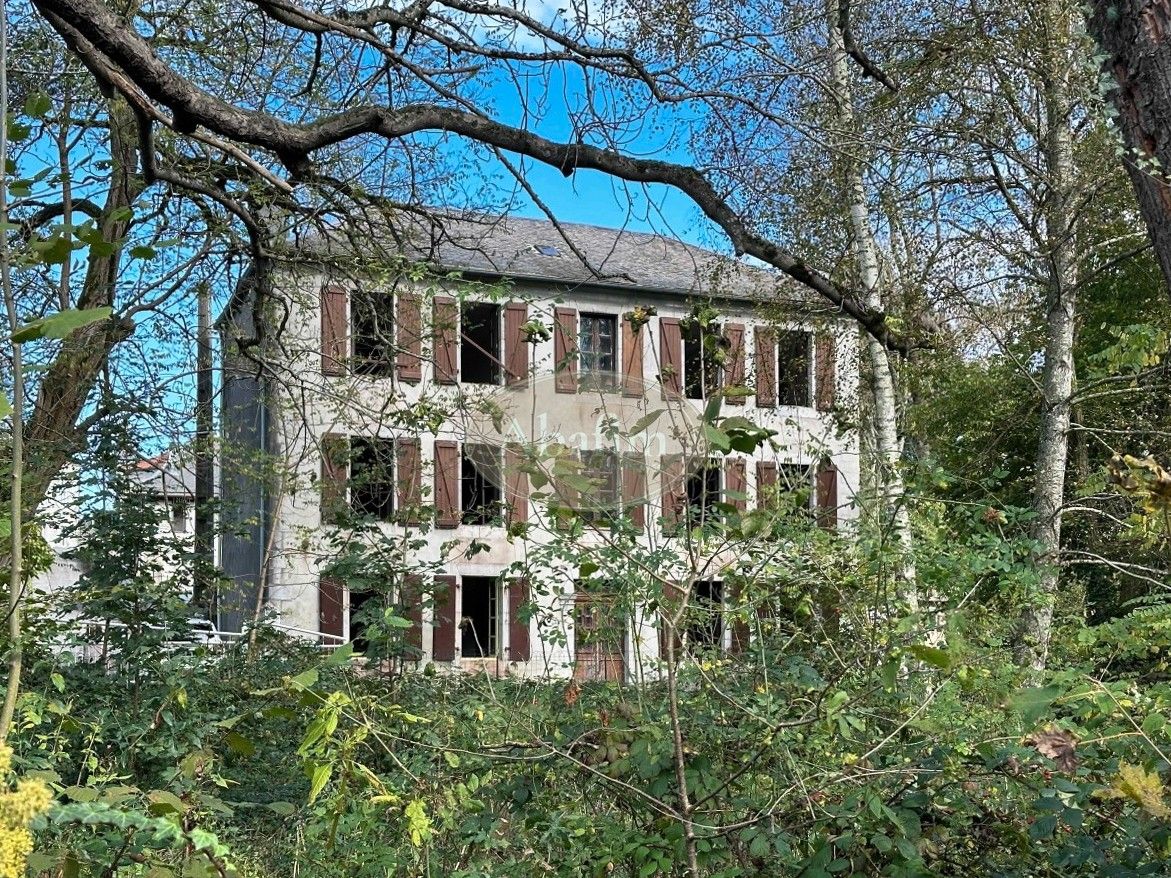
<point>546,250</point>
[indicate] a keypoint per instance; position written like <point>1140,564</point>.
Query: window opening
<point>705,620</point>
<point>480,616</point>
<point>600,467</point>
<point>372,315</point>
<point>703,493</point>
<point>372,477</point>
<point>479,357</point>
<point>701,362</point>
<point>793,384</point>
<point>480,482</point>
<point>597,347</point>
<point>366,609</point>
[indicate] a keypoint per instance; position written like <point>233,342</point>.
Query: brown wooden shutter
<point>443,620</point>
<point>410,599</point>
<point>335,453</point>
<point>670,358</point>
<point>736,482</point>
<point>516,346</point>
<point>632,384</point>
<point>827,496</point>
<point>565,350</point>
<point>766,480</point>
<point>634,499</point>
<point>674,491</point>
<point>825,371</point>
<point>409,478</point>
<point>334,330</point>
<point>331,603</point>
<point>447,474</point>
<point>516,484</point>
<point>518,631</point>
<point>765,340</point>
<point>734,372</point>
<point>408,320</point>
<point>444,338</point>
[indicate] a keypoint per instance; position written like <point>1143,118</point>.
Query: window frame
<point>711,371</point>
<point>589,378</point>
<point>372,364</point>
<point>494,355</point>
<point>494,647</point>
<point>491,514</point>
<point>384,509</point>
<point>782,359</point>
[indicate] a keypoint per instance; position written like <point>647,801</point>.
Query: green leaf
<point>143,251</point>
<point>318,779</point>
<point>717,437</point>
<point>163,802</point>
<point>58,681</point>
<point>61,324</point>
<point>237,743</point>
<point>393,620</point>
<point>340,656</point>
<point>5,405</point>
<point>37,105</point>
<point>645,421</point>
<point>1032,703</point>
<point>305,679</point>
<point>931,655</point>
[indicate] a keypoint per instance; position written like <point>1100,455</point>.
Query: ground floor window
<point>481,616</point>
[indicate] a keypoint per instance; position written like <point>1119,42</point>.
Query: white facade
<point>304,409</point>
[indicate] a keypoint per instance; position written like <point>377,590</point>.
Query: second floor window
<point>703,493</point>
<point>480,482</point>
<point>701,361</point>
<point>597,351</point>
<point>600,468</point>
<point>794,387</point>
<point>372,477</point>
<point>479,354</point>
<point>372,316</point>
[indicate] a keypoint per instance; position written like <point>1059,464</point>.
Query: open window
<point>372,485</point>
<point>597,351</point>
<point>795,486</point>
<point>481,616</point>
<point>372,319</point>
<point>480,484</point>
<point>479,351</point>
<point>701,361</point>
<point>705,620</point>
<point>703,493</point>
<point>794,356</point>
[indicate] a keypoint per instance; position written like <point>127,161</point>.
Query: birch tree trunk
<point>1057,380</point>
<point>893,514</point>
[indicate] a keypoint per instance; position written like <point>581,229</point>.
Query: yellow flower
<point>5,760</point>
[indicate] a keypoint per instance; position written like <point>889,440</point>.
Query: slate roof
<point>586,255</point>
<point>578,254</point>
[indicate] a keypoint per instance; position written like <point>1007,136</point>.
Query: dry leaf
<point>1058,745</point>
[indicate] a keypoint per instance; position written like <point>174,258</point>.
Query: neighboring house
<point>382,396</point>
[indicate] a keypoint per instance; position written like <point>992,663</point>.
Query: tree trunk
<point>1057,378</point>
<point>1134,36</point>
<point>893,513</point>
<point>65,389</point>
